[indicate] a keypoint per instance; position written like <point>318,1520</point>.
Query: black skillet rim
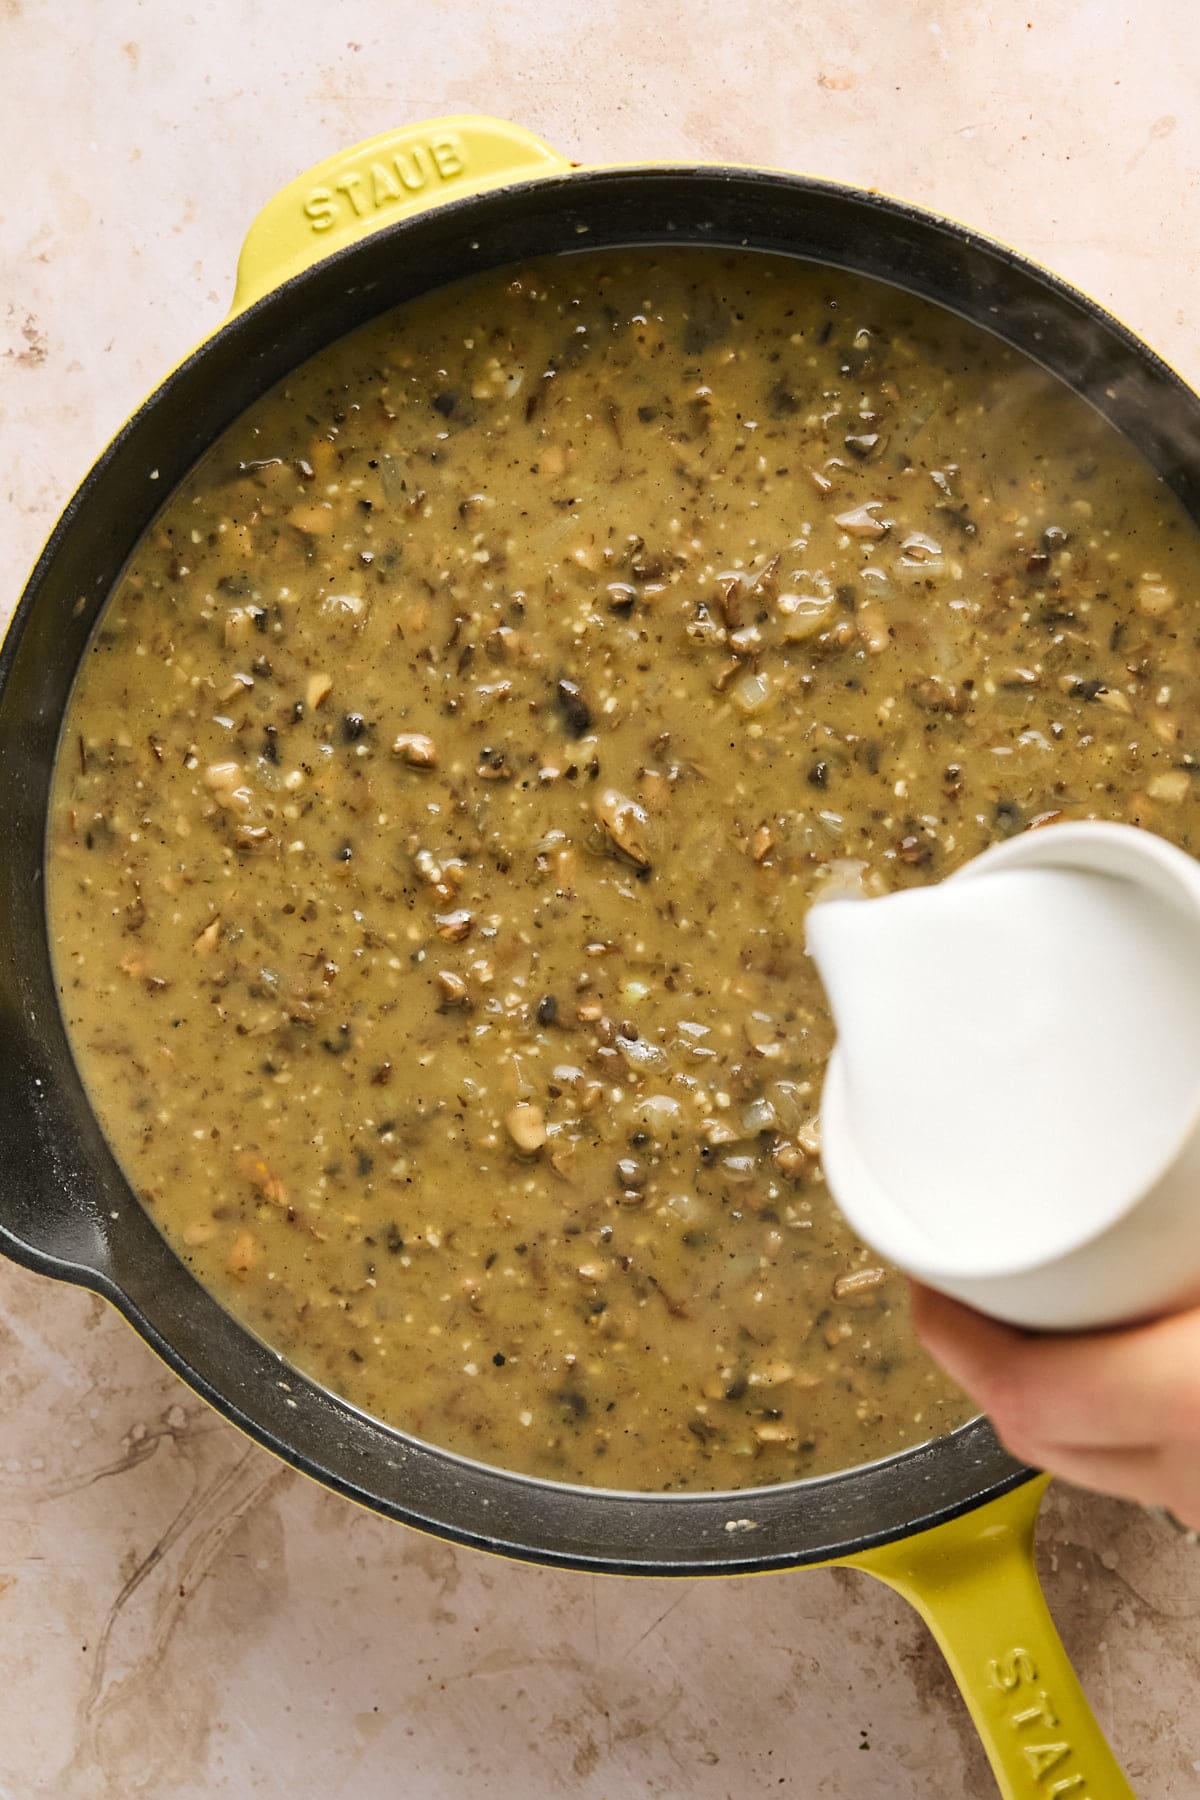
<point>64,1207</point>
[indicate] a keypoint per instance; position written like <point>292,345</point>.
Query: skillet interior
<point>64,1205</point>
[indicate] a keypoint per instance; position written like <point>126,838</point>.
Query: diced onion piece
<point>919,548</point>
<point>750,692</point>
<point>1172,786</point>
<point>921,559</point>
<point>660,1114</point>
<point>1154,597</point>
<point>758,1116</point>
<point>845,879</point>
<point>873,626</point>
<point>791,1102</point>
<point>861,522</point>
<point>805,615</point>
<point>639,1053</point>
<point>343,608</point>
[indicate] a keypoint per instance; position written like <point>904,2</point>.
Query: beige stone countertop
<point>181,1617</point>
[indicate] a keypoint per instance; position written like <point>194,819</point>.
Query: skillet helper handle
<point>974,1582</point>
<point>390,177</point>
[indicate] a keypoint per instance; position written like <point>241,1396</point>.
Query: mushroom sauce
<point>449,776</point>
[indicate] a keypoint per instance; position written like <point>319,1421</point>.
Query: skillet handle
<point>390,177</point>
<point>974,1582</point>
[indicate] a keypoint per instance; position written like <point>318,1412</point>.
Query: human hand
<point>1114,1410</point>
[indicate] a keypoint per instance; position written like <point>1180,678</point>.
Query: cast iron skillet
<point>386,221</point>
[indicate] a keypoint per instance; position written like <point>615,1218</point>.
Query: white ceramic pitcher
<point>1023,1131</point>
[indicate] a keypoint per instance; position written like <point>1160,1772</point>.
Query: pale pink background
<point>181,1618</point>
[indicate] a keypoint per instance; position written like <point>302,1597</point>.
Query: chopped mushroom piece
<point>860,1281</point>
<point>777,1432</point>
<point>455,991</point>
<point>526,1126</point>
<point>418,751</point>
<point>627,824</point>
<point>494,765</point>
<point>243,1253</point>
<point>862,521</point>
<point>873,626</point>
<point>208,938</point>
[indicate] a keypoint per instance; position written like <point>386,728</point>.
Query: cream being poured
<point>1018,1054</point>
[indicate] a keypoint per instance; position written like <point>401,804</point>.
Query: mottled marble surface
<point>180,1617</point>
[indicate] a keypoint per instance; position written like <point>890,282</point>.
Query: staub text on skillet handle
<point>377,182</point>
<point>974,1582</point>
